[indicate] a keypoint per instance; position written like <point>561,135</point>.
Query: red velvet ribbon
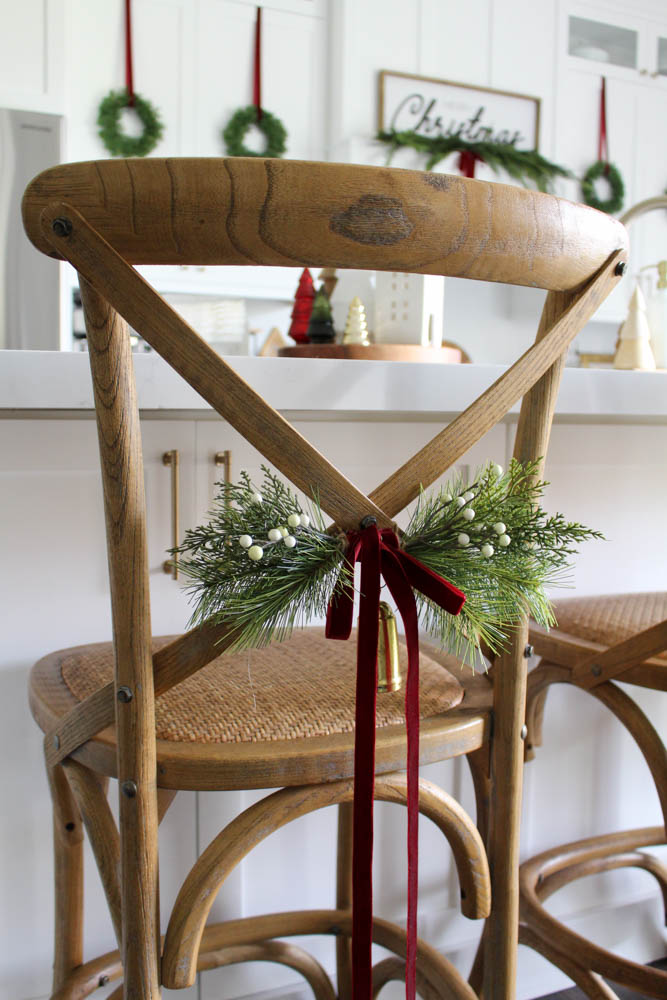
<point>129,83</point>
<point>603,150</point>
<point>467,161</point>
<point>381,557</point>
<point>257,70</point>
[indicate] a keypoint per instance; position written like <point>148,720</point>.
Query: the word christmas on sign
<point>437,108</point>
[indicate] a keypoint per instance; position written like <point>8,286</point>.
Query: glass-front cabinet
<point>616,44</point>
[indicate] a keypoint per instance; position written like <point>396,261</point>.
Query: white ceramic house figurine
<point>634,348</point>
<point>409,308</point>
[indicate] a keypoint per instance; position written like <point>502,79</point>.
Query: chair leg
<point>344,898</point>
<point>502,926</point>
<point>68,866</point>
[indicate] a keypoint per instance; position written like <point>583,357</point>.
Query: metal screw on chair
<point>124,694</point>
<point>56,742</point>
<point>62,226</point>
<point>524,731</point>
<point>103,980</point>
<point>368,520</point>
<point>596,670</point>
<point>129,789</point>
<point>528,651</point>
<point>620,268</point>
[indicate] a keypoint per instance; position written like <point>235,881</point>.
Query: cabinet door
<point>598,41</point>
<point>294,68</point>
<point>54,591</point>
<point>31,55</point>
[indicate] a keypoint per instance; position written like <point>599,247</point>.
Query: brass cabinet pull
<point>170,458</point>
<point>224,458</point>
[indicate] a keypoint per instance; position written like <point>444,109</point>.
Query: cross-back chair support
<point>104,217</point>
<point>631,660</point>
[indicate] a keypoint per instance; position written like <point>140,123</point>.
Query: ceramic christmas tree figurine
<point>303,306</point>
<point>356,326</point>
<point>634,347</point>
<point>320,328</point>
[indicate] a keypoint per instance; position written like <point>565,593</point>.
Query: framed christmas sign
<point>437,118</point>
<point>438,108</point>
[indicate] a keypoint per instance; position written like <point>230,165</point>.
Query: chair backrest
<point>105,216</point>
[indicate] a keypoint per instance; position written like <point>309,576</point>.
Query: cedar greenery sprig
<point>263,564</point>
<point>262,595</point>
<point>521,164</point>
<point>492,539</point>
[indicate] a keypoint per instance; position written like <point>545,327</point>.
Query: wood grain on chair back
<point>293,213</point>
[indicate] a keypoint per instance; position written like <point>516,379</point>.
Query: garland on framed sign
<point>522,165</point>
<point>109,113</point>
<point>254,114</point>
<point>266,563</point>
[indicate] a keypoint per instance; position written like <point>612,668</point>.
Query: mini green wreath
<point>616,185</point>
<point>271,127</point>
<point>117,142</point>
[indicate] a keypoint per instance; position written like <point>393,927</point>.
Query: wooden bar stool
<point>114,710</point>
<point>599,640</point>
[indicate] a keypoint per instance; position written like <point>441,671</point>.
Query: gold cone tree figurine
<point>356,325</point>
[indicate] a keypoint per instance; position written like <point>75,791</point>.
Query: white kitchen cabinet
<point>54,592</point>
<point>33,29</point>
<point>620,42</point>
<point>635,113</point>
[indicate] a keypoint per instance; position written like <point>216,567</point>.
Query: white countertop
<point>50,383</point>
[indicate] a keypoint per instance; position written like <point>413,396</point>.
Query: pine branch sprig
<point>493,540</point>
<point>263,564</point>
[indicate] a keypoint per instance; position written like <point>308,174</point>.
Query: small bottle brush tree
<point>321,328</point>
<point>303,306</point>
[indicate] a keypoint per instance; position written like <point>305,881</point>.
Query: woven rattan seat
<point>302,687</point>
<point>612,617</point>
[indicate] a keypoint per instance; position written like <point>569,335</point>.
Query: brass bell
<point>389,671</point>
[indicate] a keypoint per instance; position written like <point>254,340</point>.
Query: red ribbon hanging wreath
<point>380,556</point>
<point>129,81</point>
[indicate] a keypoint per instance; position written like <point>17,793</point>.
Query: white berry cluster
<point>281,533</point>
<point>468,514</point>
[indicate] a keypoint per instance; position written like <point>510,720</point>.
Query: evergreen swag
<point>108,120</point>
<point>521,164</point>
<point>265,564</point>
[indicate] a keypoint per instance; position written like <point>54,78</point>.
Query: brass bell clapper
<point>389,671</point>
